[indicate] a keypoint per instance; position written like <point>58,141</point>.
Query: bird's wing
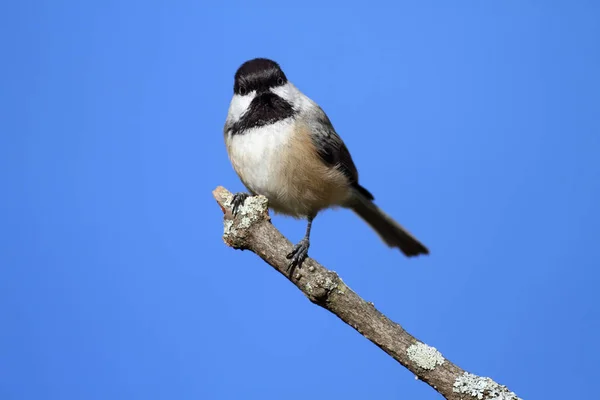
<point>332,150</point>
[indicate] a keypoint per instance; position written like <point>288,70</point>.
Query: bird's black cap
<point>258,74</point>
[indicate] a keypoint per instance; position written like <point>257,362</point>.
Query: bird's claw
<point>297,255</point>
<point>237,201</point>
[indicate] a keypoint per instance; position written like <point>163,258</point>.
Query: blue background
<point>474,123</point>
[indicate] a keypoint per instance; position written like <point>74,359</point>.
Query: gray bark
<point>252,230</point>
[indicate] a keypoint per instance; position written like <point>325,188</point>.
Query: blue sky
<point>474,123</point>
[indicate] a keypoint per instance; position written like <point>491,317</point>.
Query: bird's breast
<point>257,156</point>
<point>280,162</point>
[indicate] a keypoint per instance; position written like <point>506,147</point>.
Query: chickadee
<point>283,146</point>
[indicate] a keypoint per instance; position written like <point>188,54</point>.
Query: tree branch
<point>252,230</point>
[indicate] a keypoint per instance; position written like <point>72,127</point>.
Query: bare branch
<point>252,230</point>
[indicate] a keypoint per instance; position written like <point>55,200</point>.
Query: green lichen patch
<point>482,388</point>
<point>425,356</point>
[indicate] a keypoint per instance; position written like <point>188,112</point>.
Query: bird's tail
<point>391,232</point>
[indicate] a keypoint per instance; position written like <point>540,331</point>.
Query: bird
<point>282,145</point>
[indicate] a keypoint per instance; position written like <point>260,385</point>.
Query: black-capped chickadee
<point>283,146</point>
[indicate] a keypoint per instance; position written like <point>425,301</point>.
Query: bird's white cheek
<point>292,95</point>
<point>286,92</point>
<point>239,104</point>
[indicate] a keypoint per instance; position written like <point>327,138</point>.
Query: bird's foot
<point>237,201</point>
<point>298,255</point>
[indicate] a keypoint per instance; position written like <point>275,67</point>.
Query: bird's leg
<point>300,251</point>
<point>237,201</point>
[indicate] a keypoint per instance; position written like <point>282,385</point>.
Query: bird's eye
<point>280,81</point>
<point>243,91</point>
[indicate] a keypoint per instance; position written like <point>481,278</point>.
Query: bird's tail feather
<point>391,232</point>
